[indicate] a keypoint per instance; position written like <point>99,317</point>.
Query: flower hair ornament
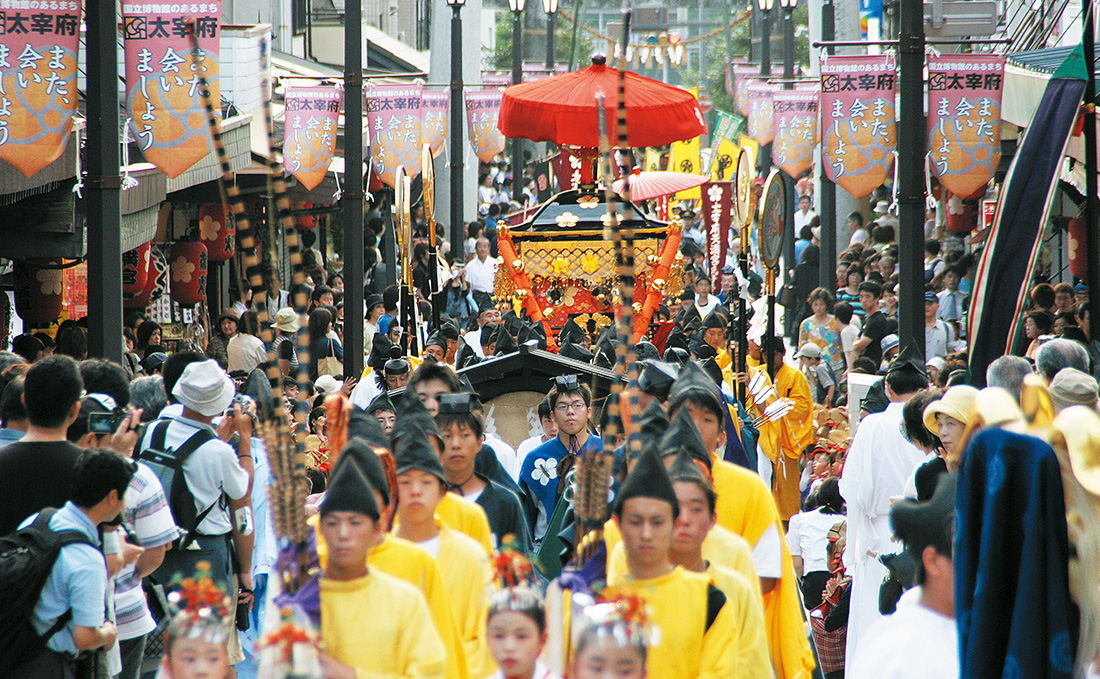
<point>622,616</point>
<point>202,607</point>
<point>514,576</point>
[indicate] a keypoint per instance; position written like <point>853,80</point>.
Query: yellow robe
<point>465,517</point>
<point>687,649</point>
<point>467,579</point>
<point>743,595</point>
<point>795,433</point>
<point>399,644</point>
<point>404,560</point>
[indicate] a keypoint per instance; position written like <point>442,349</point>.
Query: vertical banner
<point>760,112</point>
<point>393,113</point>
<point>718,216</point>
<point>795,130</point>
<point>567,170</point>
<point>542,180</point>
<point>435,105</point>
<point>653,160</point>
<point>38,96</point>
<point>163,101</point>
<point>309,141</point>
<point>964,119</point>
<point>726,128</point>
<point>482,112</point>
<point>742,76</point>
<point>684,157</point>
<point>858,120</point>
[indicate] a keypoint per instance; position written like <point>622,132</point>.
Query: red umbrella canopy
<point>646,185</point>
<point>563,109</point>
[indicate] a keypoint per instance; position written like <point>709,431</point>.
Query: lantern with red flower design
<point>38,290</point>
<point>188,265</point>
<point>217,231</point>
<point>305,222</point>
<point>136,266</point>
<point>962,216</point>
<point>1078,262</point>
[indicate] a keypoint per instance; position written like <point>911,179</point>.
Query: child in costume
<point>517,620</point>
<point>195,644</point>
<point>613,642</point>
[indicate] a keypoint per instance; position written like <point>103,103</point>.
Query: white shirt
<point>481,275</point>
<point>705,309</point>
<point>365,391</point>
<point>527,445</point>
<point>915,642</point>
<point>245,352</point>
<point>802,219</point>
<point>473,340</point>
<point>859,236</point>
<point>808,536</point>
<point>952,305</point>
<point>937,339</point>
<point>505,453</point>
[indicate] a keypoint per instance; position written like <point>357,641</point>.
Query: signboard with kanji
<point>717,216</point>
<point>760,112</point>
<point>309,142</point>
<point>394,117</point>
<point>163,96</point>
<point>482,112</point>
<point>795,124</point>
<point>435,105</point>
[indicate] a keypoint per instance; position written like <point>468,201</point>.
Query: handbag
<point>330,365</point>
<point>786,295</point>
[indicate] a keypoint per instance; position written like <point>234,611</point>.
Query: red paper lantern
<point>188,265</point>
<point>306,222</point>
<point>136,265</point>
<point>217,231</point>
<point>961,215</point>
<point>38,290</point>
<point>1078,261</point>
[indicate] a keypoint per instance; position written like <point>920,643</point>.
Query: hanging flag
<point>858,120</point>
<point>684,157</point>
<point>653,160</point>
<point>482,112</point>
<point>964,119</point>
<point>724,163</point>
<point>717,216</point>
<point>393,113</point>
<point>163,99</point>
<point>435,105</point>
<point>309,142</point>
<point>795,127</point>
<point>726,128</point>
<point>742,76</point>
<point>38,96</point>
<point>760,112</point>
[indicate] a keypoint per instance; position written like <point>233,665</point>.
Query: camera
<point>104,423</point>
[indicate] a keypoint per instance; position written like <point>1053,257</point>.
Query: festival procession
<point>343,339</point>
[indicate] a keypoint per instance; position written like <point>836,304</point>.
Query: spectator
<point>1071,387</point>
<point>818,374</point>
<point>933,264</point>
<point>216,348</point>
<point>73,342</point>
<point>130,359</point>
<point>77,582</point>
<point>1063,320</point>
<point>320,344</point>
<point>938,335</point>
<point>802,219</point>
<point>823,329</point>
<point>106,377</point>
<point>245,350</point>
<point>28,346</point>
<point>37,471</point>
<point>481,272</point>
<point>1008,372</point>
<point>848,333</point>
<point>805,237</point>
<point>13,414</point>
<point>875,326</point>
<point>1036,324</point>
<point>147,394</point>
<point>952,300</point>
<point>853,277</point>
<point>148,334</point>
<point>474,231</point>
<point>1064,298</point>
<point>1056,354</point>
<point>807,538</point>
<point>1043,297</point>
<point>859,232</point>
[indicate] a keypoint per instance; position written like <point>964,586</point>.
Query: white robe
<point>913,643</point>
<point>876,468</point>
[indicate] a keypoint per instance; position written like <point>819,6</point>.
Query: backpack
<point>26,558</point>
<point>167,464</point>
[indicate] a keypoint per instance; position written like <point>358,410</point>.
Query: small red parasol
<point>646,185</point>
<point>563,109</point>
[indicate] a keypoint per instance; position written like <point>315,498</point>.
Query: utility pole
<point>354,195</point>
<point>911,196</point>
<point>827,207</point>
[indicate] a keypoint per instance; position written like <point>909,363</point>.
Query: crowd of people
<point>727,506</point>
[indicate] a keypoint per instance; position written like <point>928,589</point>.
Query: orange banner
<point>482,112</point>
<point>795,130</point>
<point>435,106</point>
<point>163,97</point>
<point>396,126</point>
<point>38,94</point>
<point>311,117</point>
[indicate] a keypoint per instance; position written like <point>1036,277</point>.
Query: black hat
<point>464,384</point>
<point>349,491</point>
<point>695,382</point>
<point>414,452</point>
<point>358,451</point>
<point>571,332</point>
<point>776,343</point>
<point>449,330</point>
<point>684,468</point>
<point>457,404</point>
<point>365,425</point>
<point>397,366</point>
<point>920,524</point>
<point>648,478</point>
<point>511,321</point>
<point>710,367</point>
<point>488,332</point>
<point>910,360</point>
<point>675,355</point>
<point>688,293</point>
<point>564,383</point>
<point>646,350</point>
<point>413,419</point>
<point>505,343</point>
<point>656,378</point>
<point>381,348</point>
<point>683,436</point>
<point>652,424</point>
<point>486,304</point>
<point>576,352</point>
<point>381,402</point>
<point>372,301</point>
<point>532,331</point>
<point>701,349</point>
<point>436,339</point>
<point>716,319</point>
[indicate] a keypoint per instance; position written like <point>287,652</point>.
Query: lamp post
<point>551,7</point>
<point>765,35</point>
<point>517,77</point>
<point>457,118</point>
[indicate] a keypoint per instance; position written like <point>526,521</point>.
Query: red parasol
<point>563,109</point>
<point>646,185</point>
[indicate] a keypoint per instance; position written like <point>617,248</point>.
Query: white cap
<point>205,388</point>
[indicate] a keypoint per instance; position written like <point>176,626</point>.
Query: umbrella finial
<point>599,59</point>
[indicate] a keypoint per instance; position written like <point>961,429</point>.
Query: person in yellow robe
<point>463,565</point>
<point>401,558</point>
<point>403,642</point>
<point>697,634</point>
<point>715,326</point>
<point>745,506</point>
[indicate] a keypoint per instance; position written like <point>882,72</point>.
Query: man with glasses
<point>571,407</point>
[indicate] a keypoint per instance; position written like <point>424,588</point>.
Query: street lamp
<point>765,35</point>
<point>551,7</point>
<point>457,118</point>
<point>516,6</point>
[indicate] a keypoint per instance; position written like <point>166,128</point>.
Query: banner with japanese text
<point>964,119</point>
<point>38,97</point>
<point>393,114</point>
<point>435,105</point>
<point>795,130</point>
<point>309,142</point>
<point>742,76</point>
<point>760,112</point>
<point>163,98</point>
<point>482,111</point>
<point>726,128</point>
<point>718,197</point>
<point>858,120</point>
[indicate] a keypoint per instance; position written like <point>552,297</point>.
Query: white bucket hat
<point>205,388</point>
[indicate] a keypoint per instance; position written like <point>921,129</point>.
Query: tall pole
<point>353,193</point>
<point>550,48</point>
<point>911,150</point>
<point>517,78</point>
<point>458,117</point>
<point>827,206</point>
<point>1092,243</point>
<point>103,204</point>
<point>765,42</point>
<point>791,313</point>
